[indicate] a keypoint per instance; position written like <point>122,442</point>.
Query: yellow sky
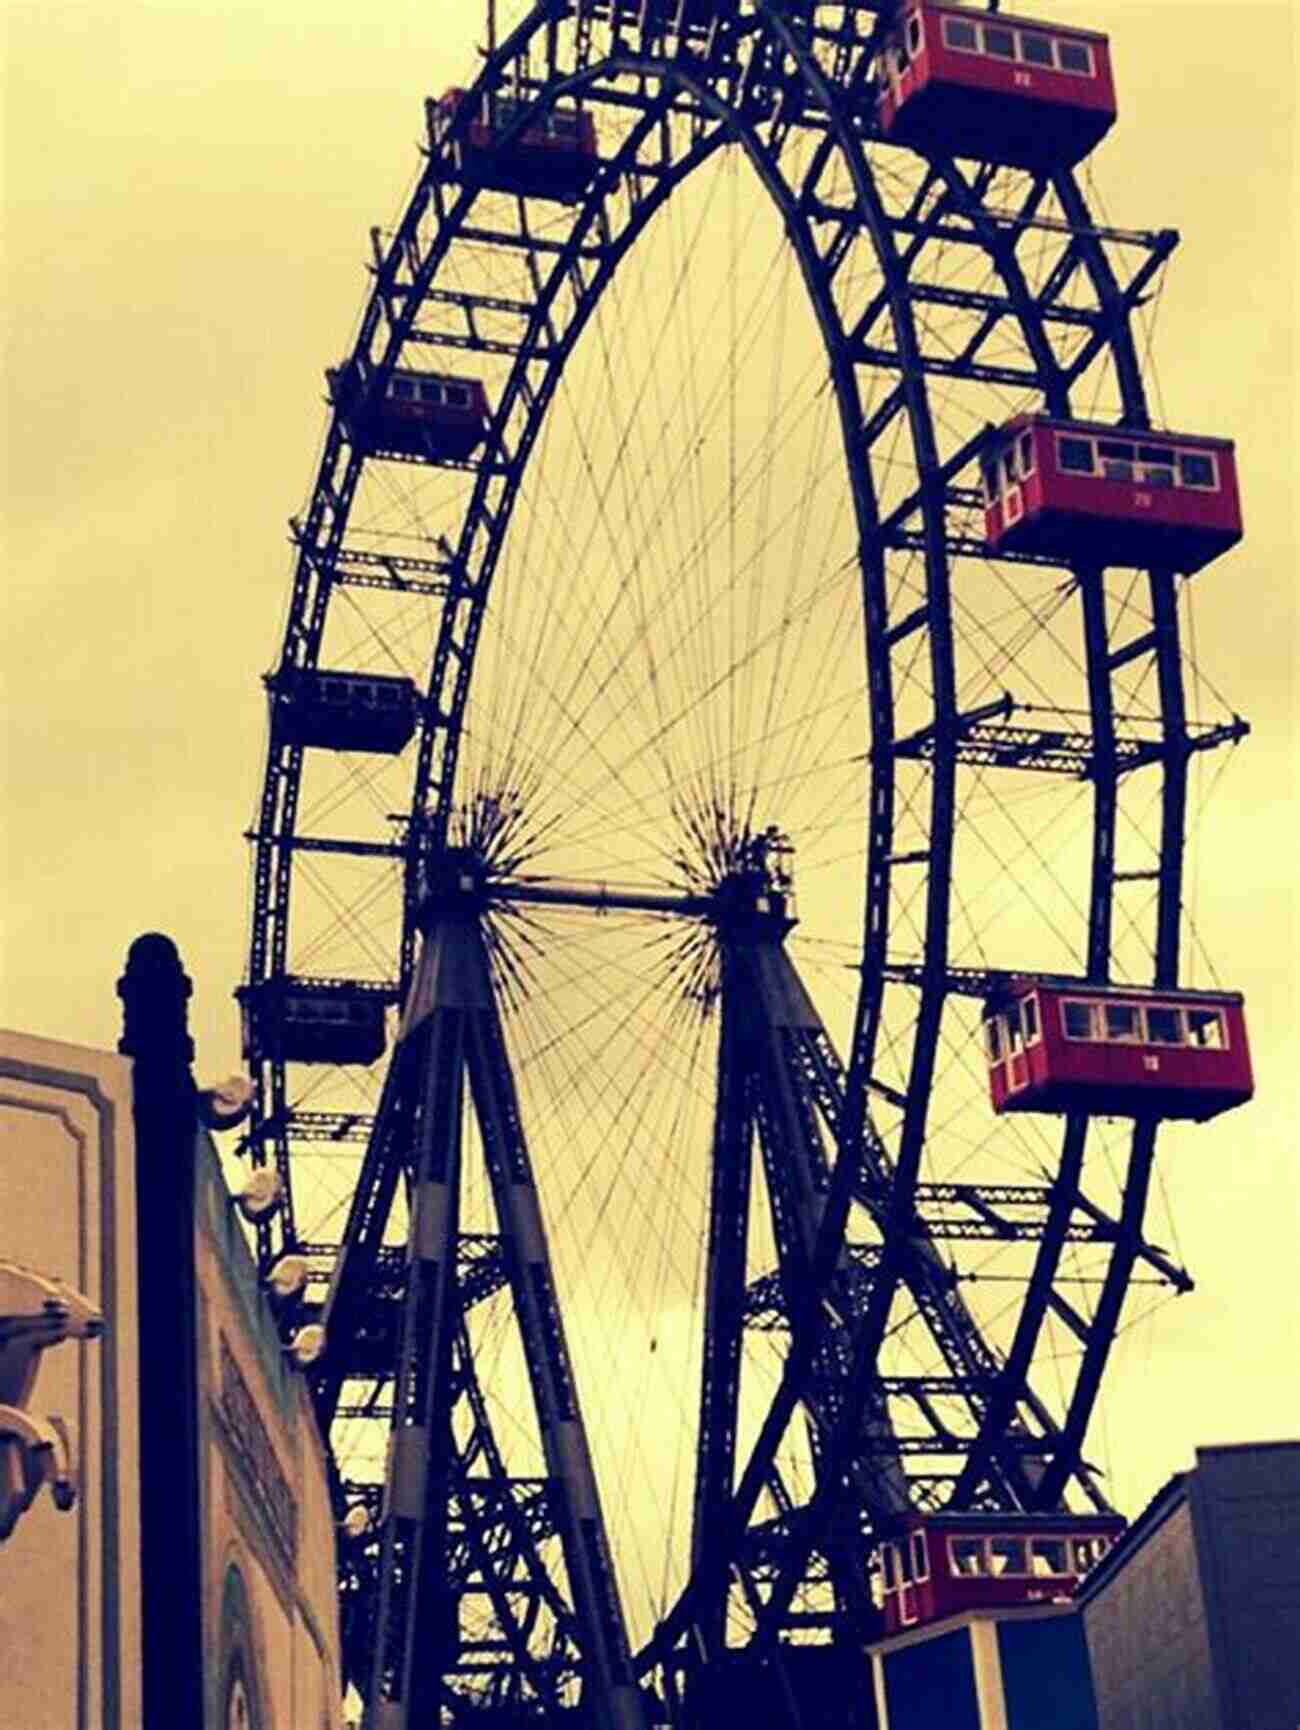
<point>188,189</point>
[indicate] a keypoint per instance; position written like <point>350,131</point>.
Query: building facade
<point>270,1612</point>
<point>1193,1621</point>
<point>75,1606</point>
<point>69,1578</point>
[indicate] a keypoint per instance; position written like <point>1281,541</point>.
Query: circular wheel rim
<point>827,78</point>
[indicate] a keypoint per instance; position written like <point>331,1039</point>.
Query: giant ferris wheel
<point>735,665</point>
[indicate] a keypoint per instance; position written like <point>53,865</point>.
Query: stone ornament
<point>37,1311</point>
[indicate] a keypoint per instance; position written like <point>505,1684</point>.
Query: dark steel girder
<point>883,712</point>
<point>405,247</point>
<point>331,844</point>
<point>797,1067</point>
<point>370,1351</point>
<point>451,1047</point>
<point>1105,783</point>
<point>350,576</point>
<point>496,1529</point>
<point>944,474</point>
<point>766,1309</point>
<point>932,1284</point>
<point>724,1305</point>
<point>988,1202</point>
<point>965,546</point>
<point>645,210</point>
<point>356,1271</point>
<point>360,568</point>
<point>1106,1317</point>
<point>1147,239</point>
<point>311,1126</point>
<point>935,943</point>
<point>762,1093</point>
<point>405,1681</point>
<point>947,366</point>
<point>1118,306</point>
<point>951,1443</point>
<point>1005,305</point>
<point>935,968</point>
<point>320,538</point>
<point>1066,752</point>
<point>1032,314</point>
<point>853,1121</point>
<point>978,1212</point>
<point>932,224</point>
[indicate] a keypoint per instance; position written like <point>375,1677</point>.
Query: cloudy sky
<point>188,189</point>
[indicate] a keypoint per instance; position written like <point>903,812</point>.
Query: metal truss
<point>983,744</point>
<point>498,1570</point>
<point>476,1586</point>
<point>453,1546</point>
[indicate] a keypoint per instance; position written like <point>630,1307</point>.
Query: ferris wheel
<point>718,921</point>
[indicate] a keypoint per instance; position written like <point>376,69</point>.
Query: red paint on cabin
<point>409,413</point>
<point>1117,1050</point>
<point>939,1565</point>
<point>553,156</point>
<point>1081,490</point>
<point>959,82</point>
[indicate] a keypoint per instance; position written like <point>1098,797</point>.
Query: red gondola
<point>553,156</point>
<point>416,414</point>
<point>1008,90</point>
<point>1118,1050</point>
<point>942,1564</point>
<point>1078,489</point>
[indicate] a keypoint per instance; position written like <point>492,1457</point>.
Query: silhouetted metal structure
<point>472,1591</point>
<point>155,992</point>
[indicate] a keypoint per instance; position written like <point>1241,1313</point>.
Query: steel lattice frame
<point>669,100</point>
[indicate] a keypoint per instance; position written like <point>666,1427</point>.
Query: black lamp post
<point>155,994</point>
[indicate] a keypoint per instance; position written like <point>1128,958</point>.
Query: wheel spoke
<point>713,583</point>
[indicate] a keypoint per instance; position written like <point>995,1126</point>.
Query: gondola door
<point>1013,502</point>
